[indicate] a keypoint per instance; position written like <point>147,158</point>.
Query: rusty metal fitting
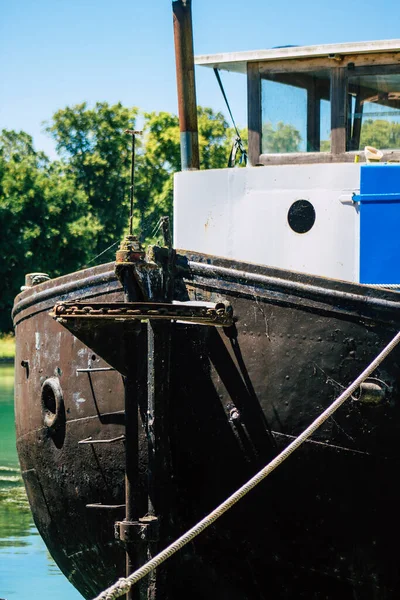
<point>234,414</point>
<point>131,532</point>
<point>224,308</point>
<point>372,392</point>
<point>32,279</point>
<point>130,251</point>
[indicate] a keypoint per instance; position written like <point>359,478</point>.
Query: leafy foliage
<point>380,133</point>
<point>45,218</point>
<point>284,138</point>
<point>7,348</point>
<point>93,144</point>
<point>325,145</point>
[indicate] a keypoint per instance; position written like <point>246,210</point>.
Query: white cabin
<point>311,112</point>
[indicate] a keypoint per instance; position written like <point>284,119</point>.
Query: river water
<point>27,570</point>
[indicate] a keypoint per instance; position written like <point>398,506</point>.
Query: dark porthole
<point>301,216</point>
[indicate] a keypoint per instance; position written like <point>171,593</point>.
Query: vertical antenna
<point>132,186</point>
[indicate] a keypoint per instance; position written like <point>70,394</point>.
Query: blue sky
<point>57,53</point>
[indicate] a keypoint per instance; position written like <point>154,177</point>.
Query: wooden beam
<point>301,80</point>
<point>308,158</point>
<point>313,117</point>
<point>356,61</point>
<point>254,112</point>
<point>354,142</point>
<point>373,69</point>
<point>348,120</point>
<point>338,110</point>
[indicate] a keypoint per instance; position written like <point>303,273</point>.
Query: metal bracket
<point>132,532</point>
<point>101,506</point>
<point>393,197</point>
<point>89,440</point>
<point>95,370</point>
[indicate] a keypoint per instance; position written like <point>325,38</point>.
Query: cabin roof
<point>237,61</point>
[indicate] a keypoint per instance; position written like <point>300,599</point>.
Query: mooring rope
<point>124,584</point>
<point>389,286</point>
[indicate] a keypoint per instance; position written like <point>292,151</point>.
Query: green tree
<point>284,138</point>
<point>325,146</point>
<point>93,143</point>
<point>45,219</point>
<point>380,133</point>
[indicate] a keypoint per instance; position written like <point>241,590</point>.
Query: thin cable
<point>217,75</point>
<point>123,585</point>
<point>238,144</point>
<point>101,253</point>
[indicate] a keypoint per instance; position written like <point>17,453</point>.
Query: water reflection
<point>26,569</point>
<point>15,517</point>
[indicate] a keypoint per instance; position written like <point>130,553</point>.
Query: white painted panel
<point>242,214</point>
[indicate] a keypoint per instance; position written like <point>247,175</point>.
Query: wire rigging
<point>238,143</point>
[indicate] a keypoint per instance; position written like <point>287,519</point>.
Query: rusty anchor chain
<point>218,315</point>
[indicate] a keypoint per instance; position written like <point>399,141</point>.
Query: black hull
<point>324,525</point>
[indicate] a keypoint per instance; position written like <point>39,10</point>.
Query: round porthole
<point>301,216</point>
<point>52,403</point>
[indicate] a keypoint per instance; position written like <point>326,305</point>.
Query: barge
<point>150,389</point>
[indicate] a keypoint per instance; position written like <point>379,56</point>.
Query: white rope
<point>124,584</point>
<point>389,286</point>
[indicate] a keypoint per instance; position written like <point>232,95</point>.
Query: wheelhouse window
<point>373,111</point>
<point>324,108</point>
<point>295,112</point>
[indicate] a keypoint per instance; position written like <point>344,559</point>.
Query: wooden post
<point>254,112</point>
<point>338,110</point>
<point>313,116</point>
<point>184,59</point>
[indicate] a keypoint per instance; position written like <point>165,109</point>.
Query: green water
<point>27,571</point>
